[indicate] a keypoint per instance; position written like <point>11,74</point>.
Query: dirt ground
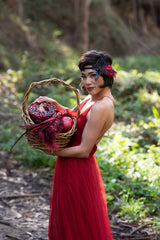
<point>24,203</point>
<point>24,206</point>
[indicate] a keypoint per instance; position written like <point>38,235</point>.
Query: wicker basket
<point>62,139</point>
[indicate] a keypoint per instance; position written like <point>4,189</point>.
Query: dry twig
<point>25,195</point>
<point>13,237</point>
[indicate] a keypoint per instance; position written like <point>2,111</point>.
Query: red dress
<point>78,207</point>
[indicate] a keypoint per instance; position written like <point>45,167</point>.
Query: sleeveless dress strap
<point>87,109</point>
<point>83,103</point>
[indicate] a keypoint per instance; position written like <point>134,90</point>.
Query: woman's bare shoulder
<point>102,111</point>
<point>104,104</point>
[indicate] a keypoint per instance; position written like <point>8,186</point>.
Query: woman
<point>78,208</point>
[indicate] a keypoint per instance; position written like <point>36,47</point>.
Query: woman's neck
<point>100,95</point>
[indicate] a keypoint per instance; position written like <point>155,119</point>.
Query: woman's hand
<point>45,99</point>
<point>50,100</point>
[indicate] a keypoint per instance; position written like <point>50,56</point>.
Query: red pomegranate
<point>41,111</point>
<point>67,123</point>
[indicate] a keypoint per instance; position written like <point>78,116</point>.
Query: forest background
<point>44,39</point>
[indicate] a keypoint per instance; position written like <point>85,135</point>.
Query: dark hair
<point>97,58</point>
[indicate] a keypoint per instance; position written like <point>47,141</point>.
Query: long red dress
<point>78,207</point>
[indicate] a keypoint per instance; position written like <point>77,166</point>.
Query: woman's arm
<point>99,120</point>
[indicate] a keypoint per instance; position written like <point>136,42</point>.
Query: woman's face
<point>91,81</point>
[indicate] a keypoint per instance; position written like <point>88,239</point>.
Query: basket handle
<point>33,84</point>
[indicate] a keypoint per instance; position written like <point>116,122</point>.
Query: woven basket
<point>62,139</point>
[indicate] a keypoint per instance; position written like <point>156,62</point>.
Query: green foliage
<point>130,164</point>
<point>129,155</point>
<point>135,91</point>
<point>62,66</point>
<point>6,58</point>
<point>141,63</point>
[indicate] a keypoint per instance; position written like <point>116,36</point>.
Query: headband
<point>107,70</point>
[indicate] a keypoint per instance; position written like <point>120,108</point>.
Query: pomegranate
<point>41,111</point>
<point>67,123</point>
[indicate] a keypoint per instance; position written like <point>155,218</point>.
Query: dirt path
<point>24,203</point>
<point>24,206</point>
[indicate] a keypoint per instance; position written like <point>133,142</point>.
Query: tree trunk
<point>85,22</point>
<point>134,6</point>
<point>76,10</point>
<point>153,12</point>
<point>16,6</point>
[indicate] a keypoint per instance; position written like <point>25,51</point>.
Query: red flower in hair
<point>109,70</point>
